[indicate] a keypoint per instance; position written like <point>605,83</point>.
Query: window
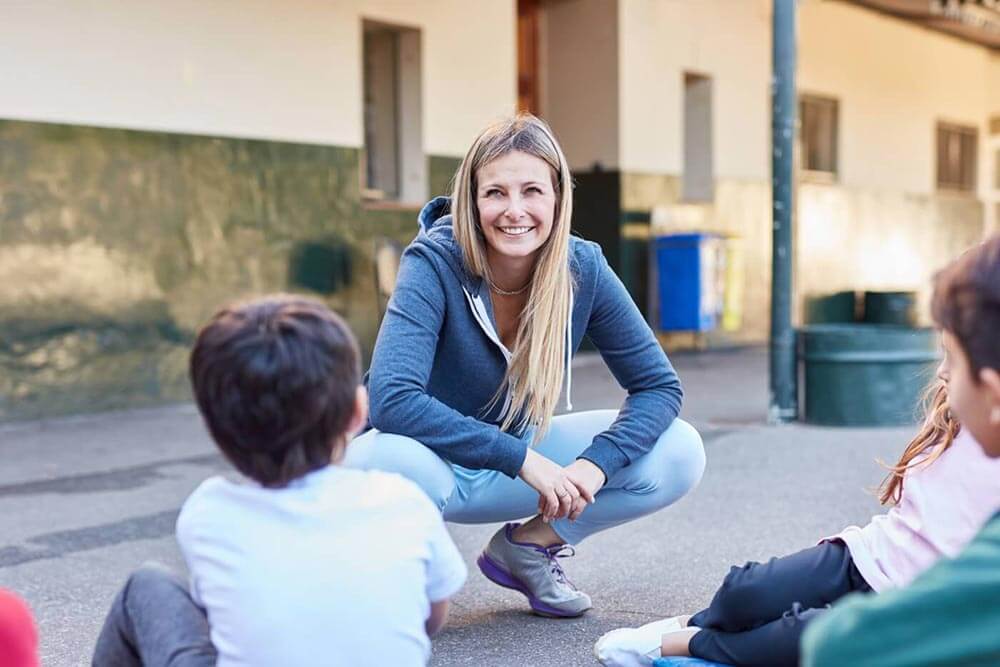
<point>956,157</point>
<point>818,118</point>
<point>394,164</point>
<point>699,177</point>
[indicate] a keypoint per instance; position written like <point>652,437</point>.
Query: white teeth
<point>515,231</point>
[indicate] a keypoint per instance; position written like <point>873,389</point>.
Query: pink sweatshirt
<point>943,506</point>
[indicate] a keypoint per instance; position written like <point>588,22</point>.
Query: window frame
<point>698,178</point>
<point>968,178</point>
<point>410,159</point>
<point>826,102</point>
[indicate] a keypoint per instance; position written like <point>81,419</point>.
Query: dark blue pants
<point>759,613</point>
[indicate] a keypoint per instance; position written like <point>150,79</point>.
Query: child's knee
<point>738,590</point>
<point>151,575</point>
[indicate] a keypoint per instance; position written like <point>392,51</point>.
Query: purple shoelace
<point>553,553</point>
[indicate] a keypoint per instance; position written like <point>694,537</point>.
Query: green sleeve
<point>950,615</point>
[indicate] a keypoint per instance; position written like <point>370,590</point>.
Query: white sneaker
<point>634,647</point>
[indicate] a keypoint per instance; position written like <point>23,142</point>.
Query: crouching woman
<point>492,299</point>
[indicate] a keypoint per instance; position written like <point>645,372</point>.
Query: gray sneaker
<point>534,571</point>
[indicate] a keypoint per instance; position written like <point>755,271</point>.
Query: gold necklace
<point>508,292</point>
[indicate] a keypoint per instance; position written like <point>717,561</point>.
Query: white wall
<point>288,70</point>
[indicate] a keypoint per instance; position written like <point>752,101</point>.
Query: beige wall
<point>287,70</point>
<point>888,227</point>
<point>992,157</point>
<point>893,80</point>
<point>728,41</point>
<point>994,86</point>
<point>579,91</point>
<point>845,238</point>
<point>883,225</point>
<point>877,240</point>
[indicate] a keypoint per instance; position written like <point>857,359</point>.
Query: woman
<point>491,300</point>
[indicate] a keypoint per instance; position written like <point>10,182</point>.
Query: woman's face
<point>970,401</point>
<point>517,203</point>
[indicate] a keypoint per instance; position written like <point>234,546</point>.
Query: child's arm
<point>438,617</point>
<point>446,569</point>
<point>947,616</point>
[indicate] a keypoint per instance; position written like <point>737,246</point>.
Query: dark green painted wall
<point>442,169</point>
<point>115,245</point>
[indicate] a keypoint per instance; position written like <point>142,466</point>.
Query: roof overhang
<point>972,20</point>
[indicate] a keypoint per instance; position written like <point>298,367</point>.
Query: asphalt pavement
<point>85,500</point>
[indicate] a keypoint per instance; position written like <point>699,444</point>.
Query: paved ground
<point>85,500</point>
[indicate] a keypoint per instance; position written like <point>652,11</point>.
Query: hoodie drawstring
<point>479,314</point>
<point>569,354</point>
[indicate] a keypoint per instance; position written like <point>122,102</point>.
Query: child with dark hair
<point>951,614</point>
<point>303,561</point>
<point>942,491</point>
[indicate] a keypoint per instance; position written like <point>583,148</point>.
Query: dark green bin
<point>890,308</point>
<point>831,308</point>
<point>865,374</point>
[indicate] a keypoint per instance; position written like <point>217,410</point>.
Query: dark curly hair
<point>275,380</point>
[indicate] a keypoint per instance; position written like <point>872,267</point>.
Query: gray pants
<point>153,622</point>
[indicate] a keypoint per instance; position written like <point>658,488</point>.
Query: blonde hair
<point>935,437</point>
<point>535,374</point>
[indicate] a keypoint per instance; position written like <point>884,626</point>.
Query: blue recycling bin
<point>690,279</point>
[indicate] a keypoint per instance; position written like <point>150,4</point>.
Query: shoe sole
<point>501,577</point>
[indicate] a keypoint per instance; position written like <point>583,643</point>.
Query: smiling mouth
<point>515,231</point>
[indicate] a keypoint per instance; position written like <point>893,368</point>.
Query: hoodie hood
<point>436,234</point>
<point>432,212</point>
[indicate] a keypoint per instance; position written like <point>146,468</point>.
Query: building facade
<point>160,159</point>
<point>897,147</point>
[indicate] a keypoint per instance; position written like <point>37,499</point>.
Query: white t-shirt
<point>338,568</point>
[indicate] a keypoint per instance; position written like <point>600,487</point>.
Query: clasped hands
<point>562,491</point>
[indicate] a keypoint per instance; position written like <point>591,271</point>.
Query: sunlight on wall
<point>81,272</point>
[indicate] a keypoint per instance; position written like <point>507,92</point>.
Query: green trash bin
<point>865,374</point>
<point>830,308</point>
<point>891,308</point>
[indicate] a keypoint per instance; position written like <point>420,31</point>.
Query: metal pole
<point>783,405</point>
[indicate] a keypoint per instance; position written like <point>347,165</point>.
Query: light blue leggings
<point>657,479</point>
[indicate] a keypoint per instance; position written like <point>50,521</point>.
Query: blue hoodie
<point>438,359</point>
